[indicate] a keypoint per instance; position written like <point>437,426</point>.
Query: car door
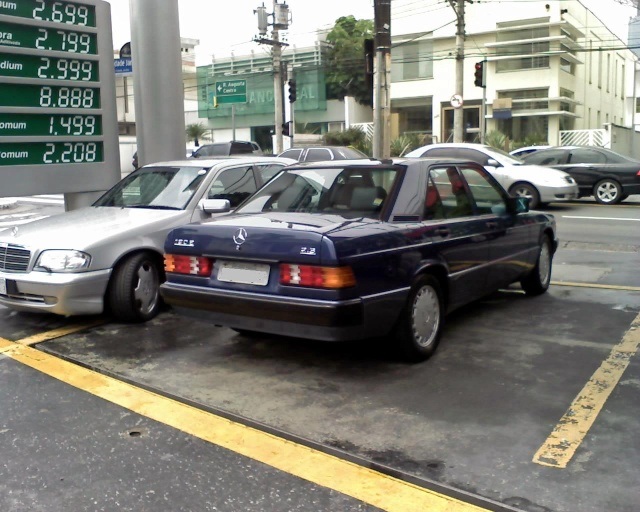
<point>509,238</point>
<point>458,234</point>
<point>583,165</point>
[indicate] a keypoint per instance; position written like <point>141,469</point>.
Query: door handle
<point>443,232</point>
<point>492,225</point>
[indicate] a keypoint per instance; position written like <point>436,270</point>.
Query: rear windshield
<point>350,192</point>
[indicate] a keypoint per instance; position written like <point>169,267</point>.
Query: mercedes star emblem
<point>240,237</point>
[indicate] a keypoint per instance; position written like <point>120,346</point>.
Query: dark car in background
<point>234,147</point>
<point>349,250</point>
<point>608,176</point>
<point>323,153</point>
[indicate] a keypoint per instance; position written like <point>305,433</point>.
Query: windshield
<point>349,192</point>
<point>155,187</point>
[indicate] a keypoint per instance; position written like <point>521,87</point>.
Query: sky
<point>223,26</point>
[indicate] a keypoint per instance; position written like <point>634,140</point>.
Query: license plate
<point>243,273</point>
<point>3,286</point>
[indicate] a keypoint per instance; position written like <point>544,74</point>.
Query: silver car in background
<point>108,256</point>
<point>519,179</point>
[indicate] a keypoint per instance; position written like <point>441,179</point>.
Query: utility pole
<point>280,22</point>
<point>382,80</point>
<point>458,113</point>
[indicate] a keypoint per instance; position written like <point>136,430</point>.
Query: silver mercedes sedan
<point>108,256</point>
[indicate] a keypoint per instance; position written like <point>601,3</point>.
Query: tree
<point>195,132</point>
<point>346,65</point>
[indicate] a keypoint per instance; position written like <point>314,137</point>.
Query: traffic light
<point>292,91</point>
<point>479,74</point>
<point>286,131</point>
<point>369,51</point>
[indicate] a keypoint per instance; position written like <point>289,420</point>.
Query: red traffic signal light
<point>479,74</point>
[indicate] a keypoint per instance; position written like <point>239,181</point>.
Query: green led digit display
<point>31,66</point>
<point>50,124</point>
<point>34,153</point>
<point>39,38</point>
<point>51,10</point>
<point>49,96</point>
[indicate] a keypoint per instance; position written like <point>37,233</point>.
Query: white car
<point>532,181</point>
<point>108,256</point>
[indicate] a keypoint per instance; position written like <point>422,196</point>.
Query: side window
<point>292,153</point>
<point>233,184</point>
<point>586,156</point>
<point>433,209</point>
<point>545,158</point>
<point>456,201</point>
<point>439,153</point>
<point>318,155</point>
<point>268,171</point>
<point>486,194</point>
<point>241,148</point>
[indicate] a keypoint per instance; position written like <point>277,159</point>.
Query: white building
<point>555,62</point>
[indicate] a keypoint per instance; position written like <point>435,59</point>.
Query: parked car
<point>134,162</point>
<point>532,181</point>
<point>109,255</point>
<point>322,153</point>
<point>602,173</point>
<point>526,150</point>
<point>234,147</point>
<point>358,249</point>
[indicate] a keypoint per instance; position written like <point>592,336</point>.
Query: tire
<point>607,191</point>
<point>526,190</point>
<point>134,290</point>
<point>538,280</point>
<point>420,325</point>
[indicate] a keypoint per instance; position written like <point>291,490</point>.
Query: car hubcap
<point>544,264</point>
<point>426,316</point>
<point>146,289</point>
<point>607,192</point>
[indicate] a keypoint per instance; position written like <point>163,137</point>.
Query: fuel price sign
<point>58,121</point>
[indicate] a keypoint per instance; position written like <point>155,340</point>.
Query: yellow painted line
<point>572,428</point>
<point>594,285</point>
<point>367,485</point>
<point>58,333</point>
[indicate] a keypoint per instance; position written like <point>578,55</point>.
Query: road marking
<point>377,489</point>
<point>594,285</point>
<point>58,333</point>
<point>572,428</point>
<point>598,218</point>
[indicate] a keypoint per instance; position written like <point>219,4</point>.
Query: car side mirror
<point>518,204</point>
<point>493,163</point>
<point>215,205</point>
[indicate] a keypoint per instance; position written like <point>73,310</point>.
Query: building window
<point>526,99</point>
<point>528,49</point>
<point>411,61</point>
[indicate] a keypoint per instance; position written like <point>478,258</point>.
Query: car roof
<point>368,162</point>
<point>211,161</point>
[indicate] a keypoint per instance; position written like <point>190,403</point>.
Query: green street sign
<point>230,91</point>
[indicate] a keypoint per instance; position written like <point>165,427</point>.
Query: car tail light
<point>316,277</point>
<point>195,265</point>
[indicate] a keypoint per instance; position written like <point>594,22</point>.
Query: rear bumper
<point>286,316</point>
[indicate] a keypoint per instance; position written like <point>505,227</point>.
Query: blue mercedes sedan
<point>359,249</point>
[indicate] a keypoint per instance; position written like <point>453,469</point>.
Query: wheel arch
<point>438,270</point>
<point>158,257</point>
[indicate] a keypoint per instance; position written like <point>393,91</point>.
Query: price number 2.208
<point>66,69</point>
<point>70,152</point>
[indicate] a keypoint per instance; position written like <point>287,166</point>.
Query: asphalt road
<point>529,404</point>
